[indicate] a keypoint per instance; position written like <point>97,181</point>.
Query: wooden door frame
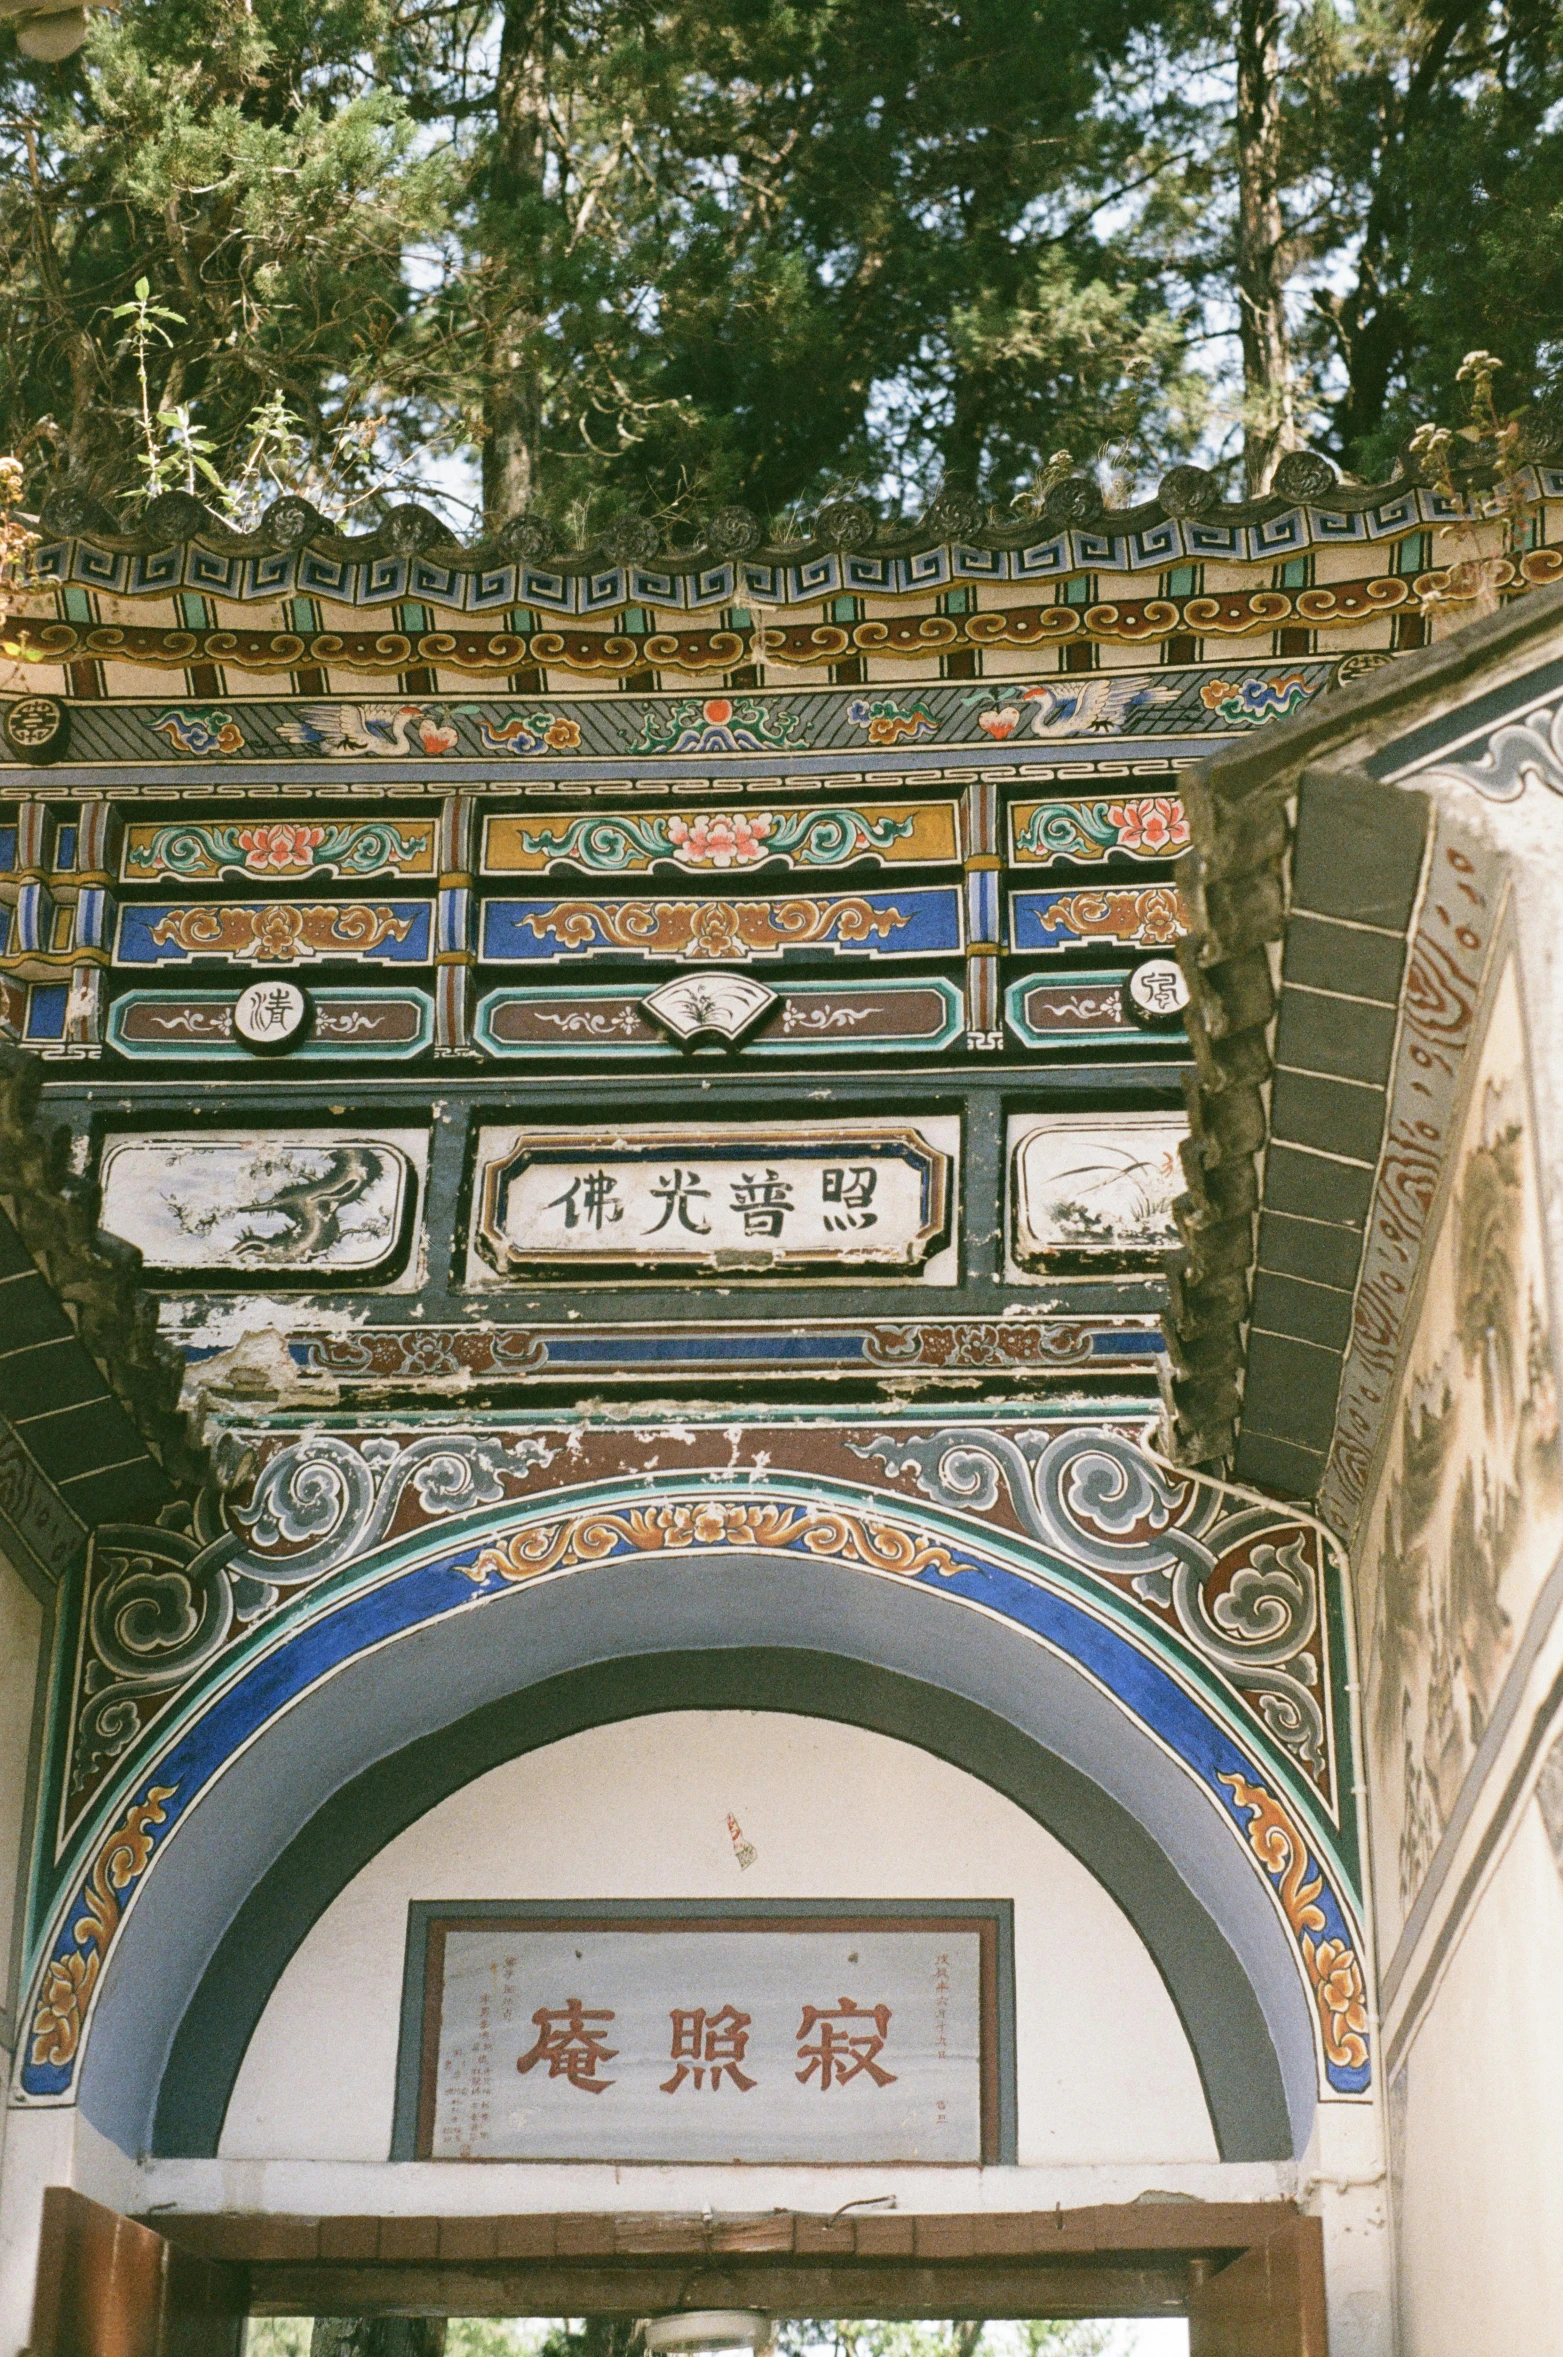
<point>110,2286</point>
<point>1145,2258</point>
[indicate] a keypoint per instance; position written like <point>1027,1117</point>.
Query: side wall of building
<point>23,1624</point>
<point>1459,1591</point>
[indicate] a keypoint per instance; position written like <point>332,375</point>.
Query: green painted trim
<point>312,1051</point>
<point>664,1051</point>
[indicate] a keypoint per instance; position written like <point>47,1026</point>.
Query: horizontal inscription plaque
<point>770,2037</point>
<point>858,1195</point>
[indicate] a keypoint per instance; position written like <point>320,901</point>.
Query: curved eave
<point>179,542</point>
<point>87,1387</point>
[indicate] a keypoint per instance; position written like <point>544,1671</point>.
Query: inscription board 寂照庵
<point>783,2040</point>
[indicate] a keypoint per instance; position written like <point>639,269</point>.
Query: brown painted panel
<point>111,2287</point>
<point>409,2238</point>
<point>879,2237</point>
<point>824,2237</point>
<point>203,2307</point>
<point>204,1019</point>
<point>765,2233</point>
<point>585,2236</point>
<point>641,2234</point>
<point>1268,2303</point>
<point>524,2238</point>
<point>349,2238</point>
<point>1224,2228</point>
<point>231,2235</point>
<point>468,2238</point>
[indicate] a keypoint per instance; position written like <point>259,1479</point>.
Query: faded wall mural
<point>1468,1518</point>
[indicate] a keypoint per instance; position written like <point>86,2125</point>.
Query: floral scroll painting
<point>1467,1520</point>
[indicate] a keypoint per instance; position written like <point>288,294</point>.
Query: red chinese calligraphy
<point>714,2042</point>
<point>842,2052</point>
<point>570,2049</point>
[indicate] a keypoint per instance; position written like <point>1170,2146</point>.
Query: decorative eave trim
<point>840,525</point>
<point>177,541</point>
<point>914,637</point>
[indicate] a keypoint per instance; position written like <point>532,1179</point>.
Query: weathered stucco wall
<point>1476,2125</point>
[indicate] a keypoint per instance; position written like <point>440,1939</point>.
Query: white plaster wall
<point>640,1810</point>
<point>1480,2172</point>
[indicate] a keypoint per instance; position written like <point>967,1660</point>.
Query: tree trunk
<point>1270,427</point>
<point>514,226</point>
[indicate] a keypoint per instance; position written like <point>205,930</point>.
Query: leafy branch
<point>158,458</point>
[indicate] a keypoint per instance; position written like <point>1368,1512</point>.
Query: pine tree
<point>640,260</point>
<point>245,164</point>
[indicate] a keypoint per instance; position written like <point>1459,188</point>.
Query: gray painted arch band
<point>406,1715</point>
<point>1220,2016</point>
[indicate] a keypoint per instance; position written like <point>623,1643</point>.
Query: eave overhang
<point>1303,883</point>
<point>90,1423</point>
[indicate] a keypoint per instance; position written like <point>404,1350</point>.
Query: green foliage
<point>669,254</point>
<point>279,2336</point>
<point>1024,2337</point>
<point>889,259</point>
<point>603,2336</point>
<point>504,2336</point>
<point>241,166</point>
<point>1447,166</point>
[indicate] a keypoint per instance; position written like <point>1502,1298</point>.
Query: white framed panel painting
<point>1092,1191</point>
